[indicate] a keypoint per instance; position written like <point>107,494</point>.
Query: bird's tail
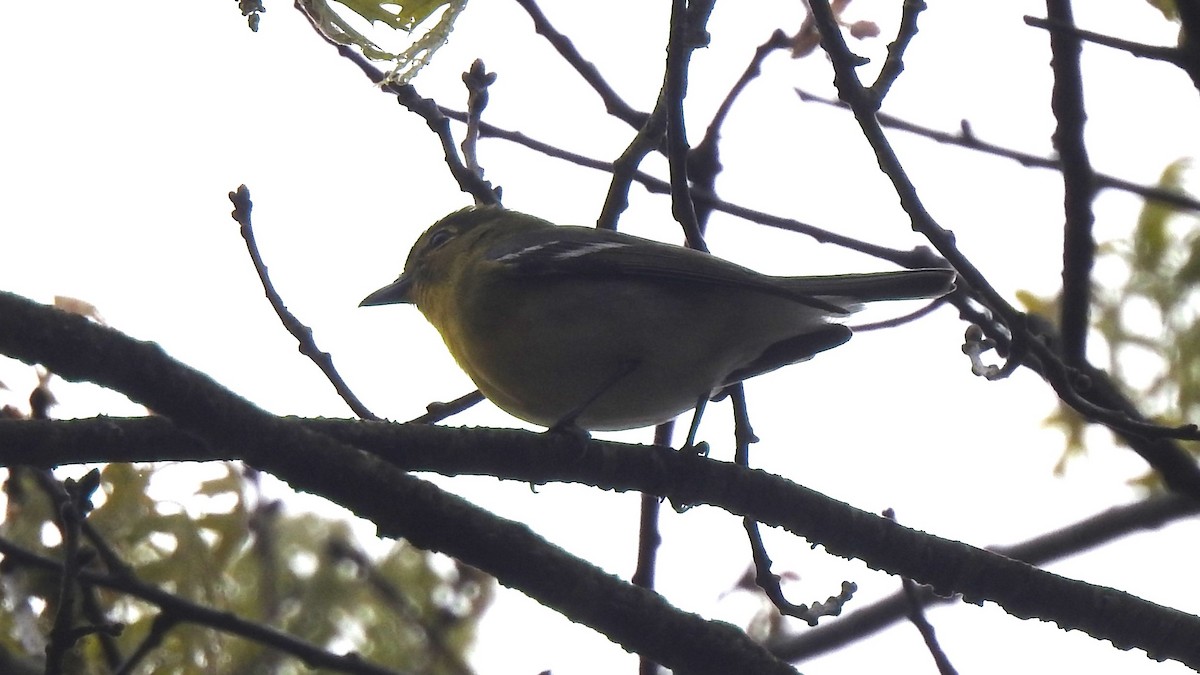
<point>900,285</point>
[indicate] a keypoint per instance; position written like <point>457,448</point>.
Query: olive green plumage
<point>618,332</point>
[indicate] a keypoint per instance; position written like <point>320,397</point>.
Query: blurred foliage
<point>1150,321</point>
<point>1170,12</point>
<point>1167,7</point>
<point>806,40</point>
<point>227,547</point>
<point>409,18</point>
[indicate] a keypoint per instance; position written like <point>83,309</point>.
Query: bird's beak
<point>392,294</point>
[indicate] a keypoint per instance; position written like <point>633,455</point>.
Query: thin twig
<point>778,40</point>
<point>928,309</point>
<point>1160,451</point>
<point>1176,467</point>
<point>649,540</point>
<point>427,109</point>
<point>966,138</point>
<point>1065,27</point>
<point>191,612</point>
<point>407,96</point>
<point>94,612</point>
<point>242,207</point>
<point>432,626</point>
<point>916,616</point>
<point>625,167</point>
<point>665,122</point>
<point>160,627</point>
<point>477,80</point>
<point>764,577</point>
<point>916,258</point>
<point>73,504</point>
<point>436,412</point>
<point>63,632</point>
<point>704,161</point>
<point>851,90</point>
<point>613,103</point>
<point>911,259</point>
<point>1091,532</point>
<point>893,65</point>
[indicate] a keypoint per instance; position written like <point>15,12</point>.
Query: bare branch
<point>1055,23</point>
<point>615,105</point>
<point>916,616</point>
<point>242,207</point>
<point>1073,539</point>
<point>370,489</point>
<point>966,138</point>
<point>477,80</point>
<point>408,97</point>
<point>185,610</point>
<point>436,412</point>
<point>1079,247</point>
<point>400,504</point>
<point>893,65</point>
<point>1025,346</point>
<point>689,22</point>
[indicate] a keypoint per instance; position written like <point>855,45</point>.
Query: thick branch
<point>399,504</point>
<point>1086,534</point>
<point>1079,186</point>
<point>948,566</point>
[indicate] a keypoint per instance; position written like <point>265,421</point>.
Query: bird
<point>571,327</point>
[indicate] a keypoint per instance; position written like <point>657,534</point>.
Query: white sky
<point>124,129</point>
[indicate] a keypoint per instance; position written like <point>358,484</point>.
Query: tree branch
<point>1073,539</point>
<point>242,207</point>
<point>398,503</point>
<point>176,609</point>
<point>689,22</point>
<point>1056,23</point>
<point>1027,346</point>
<point>893,65</point>
<point>613,103</point>
<point>1079,248</point>
<point>525,457</point>
<point>948,566</point>
<point>966,138</point>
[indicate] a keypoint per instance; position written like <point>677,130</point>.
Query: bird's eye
<point>439,238</point>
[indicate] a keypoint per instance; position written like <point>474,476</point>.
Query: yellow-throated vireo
<point>576,326</point>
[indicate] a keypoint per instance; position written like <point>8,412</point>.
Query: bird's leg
<point>566,424</point>
<point>690,445</point>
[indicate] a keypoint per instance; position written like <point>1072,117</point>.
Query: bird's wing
<point>580,251</point>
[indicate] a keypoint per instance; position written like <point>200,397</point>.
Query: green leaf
<point>1167,7</point>
<point>407,17</point>
<point>1151,240</point>
<point>1189,273</point>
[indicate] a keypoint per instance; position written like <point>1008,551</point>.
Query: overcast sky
<point>125,129</point>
